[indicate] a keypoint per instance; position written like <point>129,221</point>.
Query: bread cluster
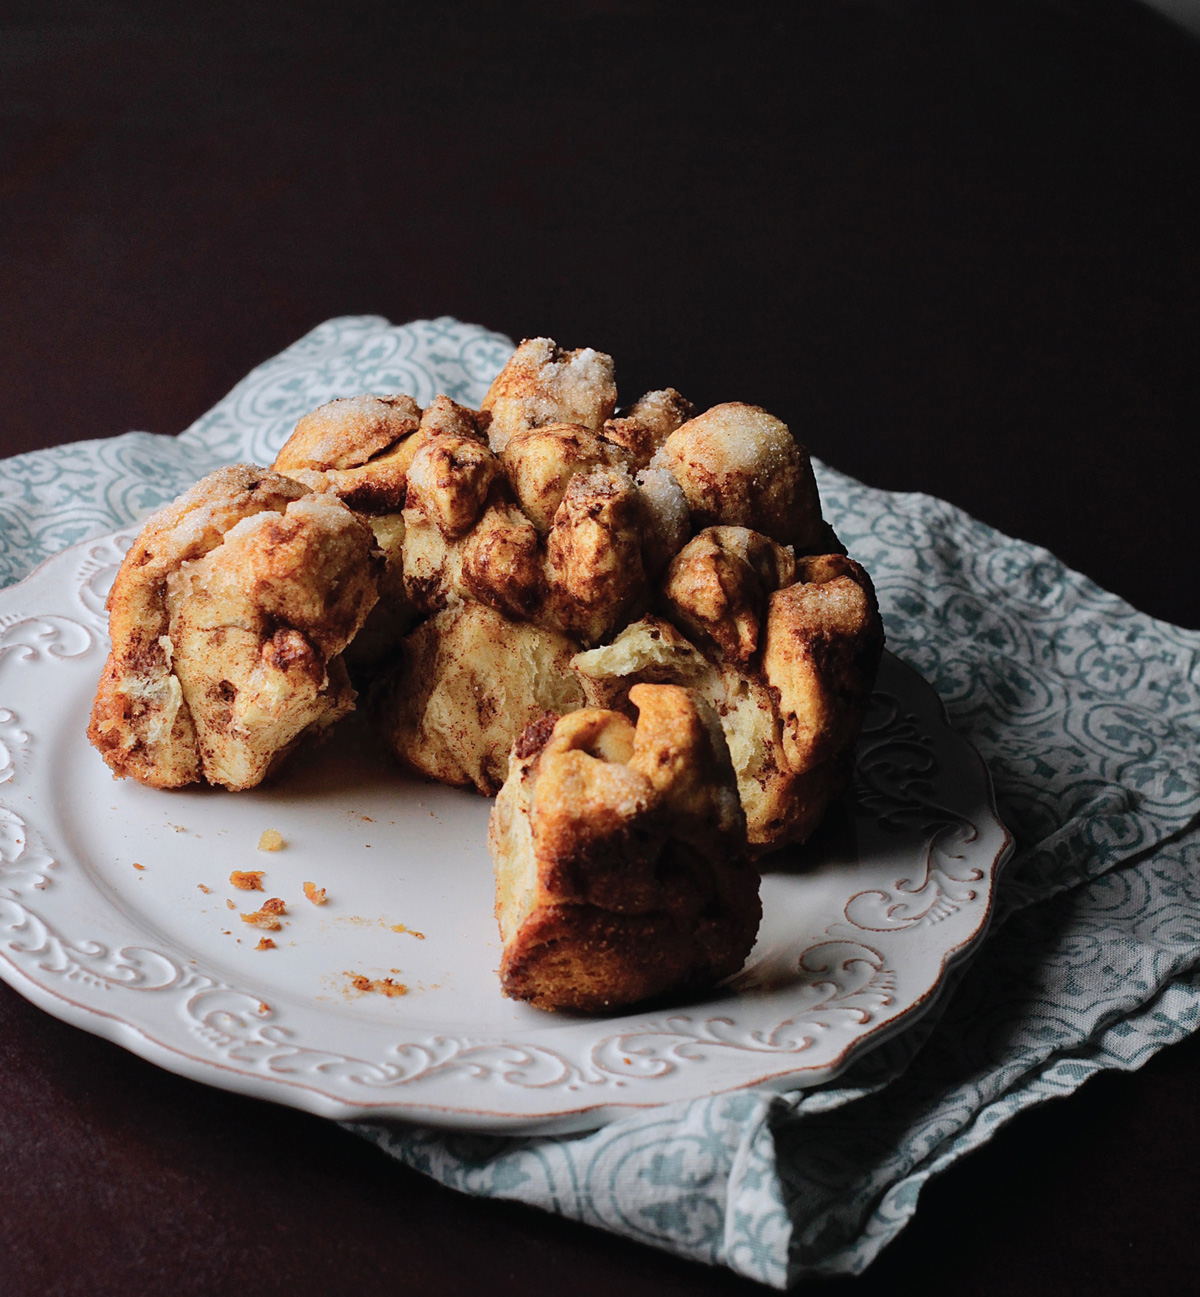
<point>620,854</point>
<point>480,571</point>
<point>228,618</point>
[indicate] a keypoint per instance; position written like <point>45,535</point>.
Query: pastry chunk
<point>228,618</point>
<point>467,539</point>
<point>543,384</point>
<point>792,705</point>
<point>362,449</point>
<point>641,432</point>
<point>740,466</point>
<point>717,585</point>
<point>621,869</point>
<point>468,683</point>
<point>354,447</point>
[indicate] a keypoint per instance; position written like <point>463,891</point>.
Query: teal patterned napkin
<point>1088,714</point>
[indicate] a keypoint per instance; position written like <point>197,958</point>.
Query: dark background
<point>954,246</point>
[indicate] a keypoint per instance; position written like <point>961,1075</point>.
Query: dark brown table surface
<point>955,247</point>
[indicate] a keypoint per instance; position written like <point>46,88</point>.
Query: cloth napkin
<point>1087,713</point>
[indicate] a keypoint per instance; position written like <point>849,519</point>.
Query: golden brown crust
<point>361,448</point>
<point>823,642</point>
<point>597,578</point>
<point>585,579</point>
<point>620,862</point>
<point>227,618</point>
<point>543,384</point>
<point>498,562</point>
<point>540,463</point>
<point>740,466</point>
<point>353,447</point>
<point>792,710</point>
<point>448,481</point>
<point>502,562</point>
<point>347,432</point>
<point>717,586</point>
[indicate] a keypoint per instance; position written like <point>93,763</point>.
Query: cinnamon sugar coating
<point>717,586</point>
<point>792,709</point>
<point>620,857</point>
<point>740,466</point>
<point>544,384</point>
<point>468,682</point>
<point>361,450</point>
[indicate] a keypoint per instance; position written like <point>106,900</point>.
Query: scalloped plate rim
<point>123,1028</point>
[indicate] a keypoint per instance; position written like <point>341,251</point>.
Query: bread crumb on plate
<point>266,917</point>
<point>380,985</point>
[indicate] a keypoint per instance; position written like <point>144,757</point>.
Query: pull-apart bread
<point>480,570</point>
<point>228,617</point>
<point>620,856</point>
<point>785,649</point>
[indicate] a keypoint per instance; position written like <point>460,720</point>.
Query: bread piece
<point>228,617</point>
<point>361,449</point>
<point>497,562</point>
<point>740,466</point>
<point>540,463</point>
<point>354,447</point>
<point>594,555</point>
<point>791,713</point>
<point>543,384</point>
<point>468,683</point>
<point>621,871</point>
<point>641,433</point>
<point>717,586</point>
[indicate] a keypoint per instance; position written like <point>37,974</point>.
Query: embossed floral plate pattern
<point>116,913</point>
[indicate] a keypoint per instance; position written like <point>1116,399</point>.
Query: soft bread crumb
<point>265,943</point>
<point>229,905</point>
<point>248,880</point>
<point>271,840</point>
<point>381,985</point>
<point>266,917</point>
<point>315,894</point>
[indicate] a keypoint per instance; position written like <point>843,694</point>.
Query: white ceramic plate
<point>115,913</point>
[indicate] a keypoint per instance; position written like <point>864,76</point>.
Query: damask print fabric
<point>1088,714</point>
